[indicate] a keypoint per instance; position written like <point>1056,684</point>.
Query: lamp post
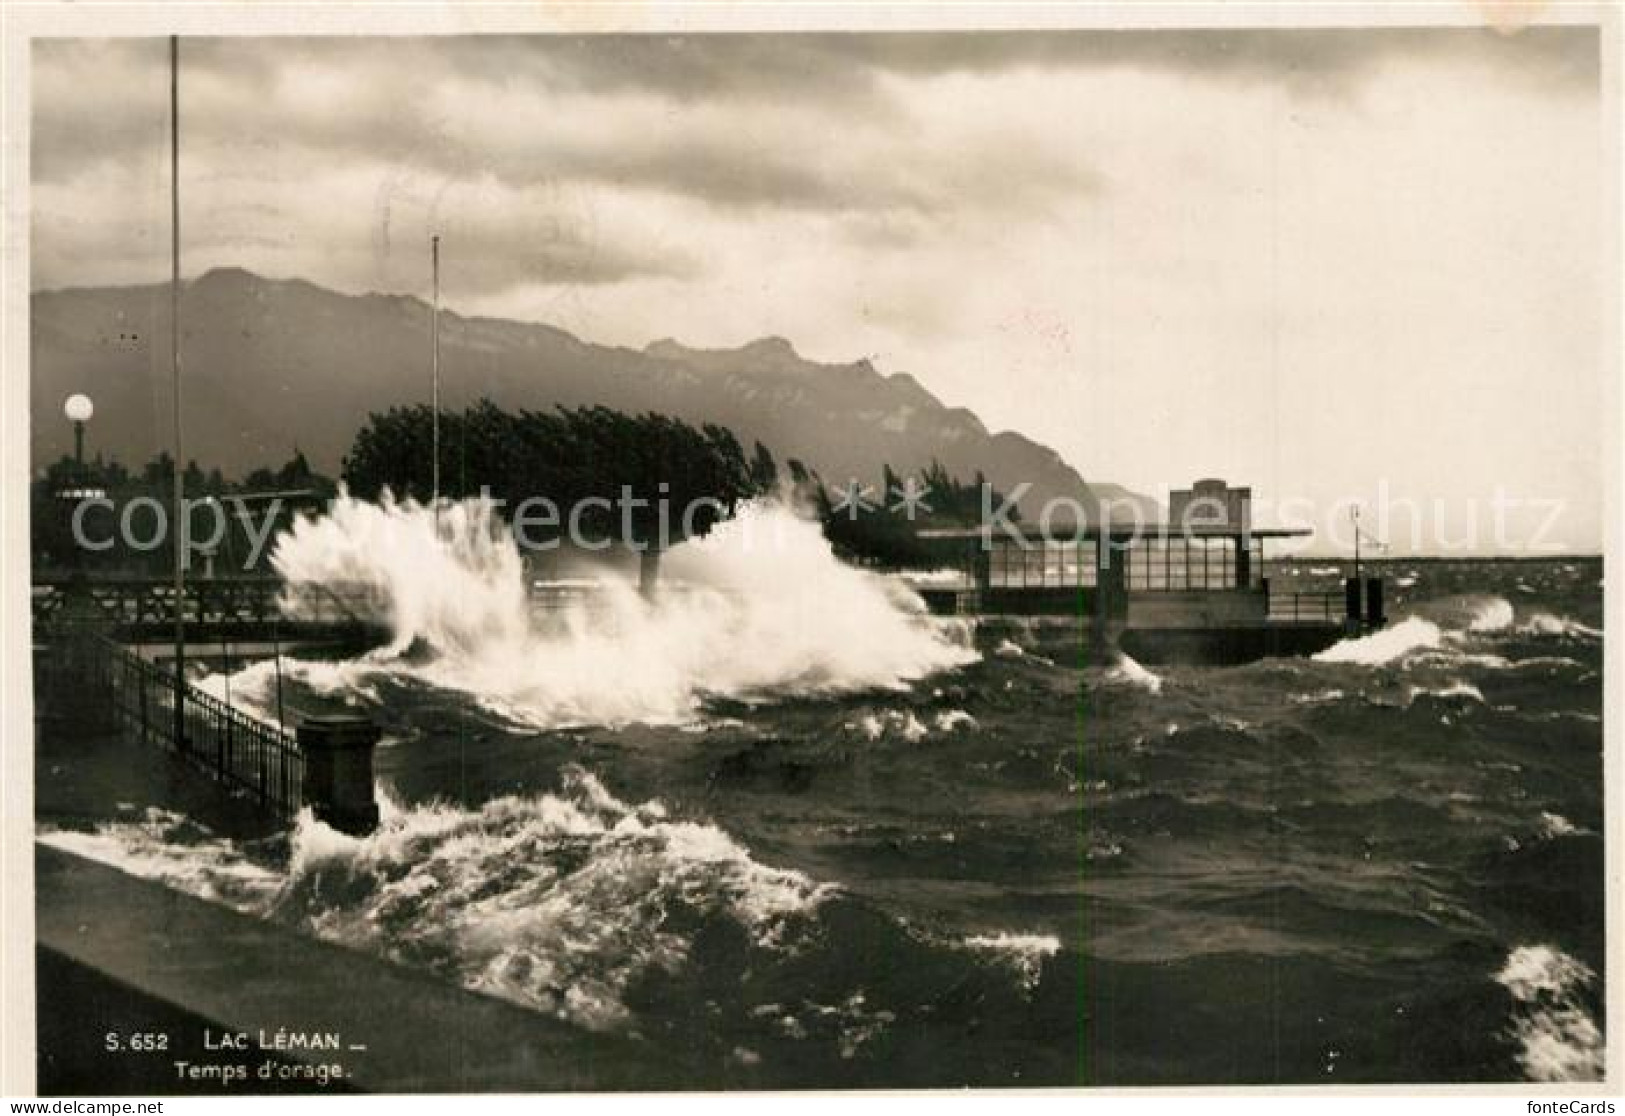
<point>79,409</point>
<point>178,525</point>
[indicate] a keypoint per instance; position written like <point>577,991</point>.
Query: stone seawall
<point>241,1006</point>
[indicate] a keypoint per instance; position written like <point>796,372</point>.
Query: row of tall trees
<point>157,475</point>
<point>134,517</point>
<point>682,480</point>
<point>593,457</point>
<point>647,481</point>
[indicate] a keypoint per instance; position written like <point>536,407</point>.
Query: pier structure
<point>135,608</point>
<point>1194,587</point>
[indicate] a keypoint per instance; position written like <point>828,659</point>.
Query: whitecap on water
<point>1318,697</point>
<point>1548,662</point>
<point>1544,624</point>
<point>1553,826</point>
<point>1412,634</point>
<point>1128,671</point>
<point>1455,688</point>
<point>1025,953</point>
<point>1558,1040</point>
<point>896,722</point>
<point>1491,614</point>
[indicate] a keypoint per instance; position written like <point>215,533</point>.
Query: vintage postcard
<point>776,549</point>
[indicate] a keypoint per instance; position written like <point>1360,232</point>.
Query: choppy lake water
<point>941,860</point>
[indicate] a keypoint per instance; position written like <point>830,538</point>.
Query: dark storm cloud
<point>729,126</point>
<point>1552,54</point>
<point>516,237</point>
<point>96,100</point>
<point>519,244</point>
<point>850,66</point>
<point>424,103</point>
<point>814,174</point>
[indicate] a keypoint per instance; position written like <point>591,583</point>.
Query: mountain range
<point>270,365</point>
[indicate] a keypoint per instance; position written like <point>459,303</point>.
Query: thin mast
<point>1355,514</point>
<point>434,329</point>
<point>178,525</point>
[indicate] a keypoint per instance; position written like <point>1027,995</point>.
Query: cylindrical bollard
<point>1351,598</point>
<point>338,771</point>
<point>1352,603</point>
<point>1374,615</point>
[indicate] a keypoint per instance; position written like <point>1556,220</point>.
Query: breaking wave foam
<point>1385,646</point>
<point>766,609</point>
<point>170,849</point>
<point>1544,624</point>
<point>556,902</point>
<point>553,901</point>
<point>1455,688</point>
<point>1451,629</point>
<point>1024,953</point>
<point>1127,670</point>
<point>1558,1040</point>
<point>1493,614</point>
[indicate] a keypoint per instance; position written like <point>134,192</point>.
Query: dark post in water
<point>338,771</point>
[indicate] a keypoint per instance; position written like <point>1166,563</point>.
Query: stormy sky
<point>1329,263</point>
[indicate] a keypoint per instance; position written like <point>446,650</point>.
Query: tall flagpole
<point>178,524</point>
<point>434,253</point>
<point>1355,514</point>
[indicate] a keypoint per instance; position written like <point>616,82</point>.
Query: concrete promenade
<point>122,959</point>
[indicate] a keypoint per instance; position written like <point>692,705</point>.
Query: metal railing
<point>1307,608</point>
<point>237,750</point>
<point>147,600</point>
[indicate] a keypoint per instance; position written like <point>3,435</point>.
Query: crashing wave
<point>553,901</point>
<point>766,610</point>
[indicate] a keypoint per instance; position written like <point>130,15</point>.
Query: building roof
<point>1066,532</point>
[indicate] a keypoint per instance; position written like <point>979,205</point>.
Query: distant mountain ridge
<point>274,364</point>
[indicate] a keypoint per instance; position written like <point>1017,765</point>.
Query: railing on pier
<point>1321,607</point>
<point>149,600</point>
<point>249,755</point>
